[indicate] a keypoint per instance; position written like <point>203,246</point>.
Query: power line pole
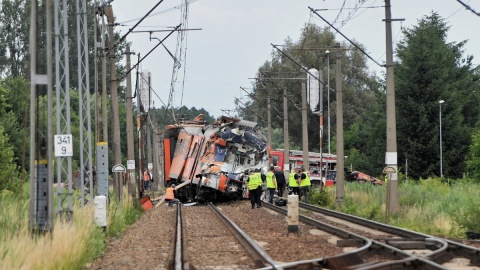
<point>391,154</point>
<point>340,188</point>
<point>62,65</point>
<point>130,147</point>
<point>104,84</point>
<point>117,154</point>
<point>41,191</point>
<point>269,119</point>
<point>286,147</point>
<point>84,103</point>
<point>320,76</point>
<point>306,164</point>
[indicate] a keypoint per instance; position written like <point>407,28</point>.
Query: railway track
<point>206,239</point>
<point>234,236</point>
<point>444,252</point>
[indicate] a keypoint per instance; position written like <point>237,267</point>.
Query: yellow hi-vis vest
<point>291,180</point>
<point>253,181</point>
<point>305,182</point>
<point>270,183</point>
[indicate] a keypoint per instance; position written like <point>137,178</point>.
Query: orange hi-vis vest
<point>169,195</point>
<point>146,176</point>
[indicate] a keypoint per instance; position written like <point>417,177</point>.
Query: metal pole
<point>328,96</point>
<point>269,120</point>
<point>441,156</point>
<point>305,128</point>
<point>130,147</point>
<point>286,148</point>
<point>321,124</point>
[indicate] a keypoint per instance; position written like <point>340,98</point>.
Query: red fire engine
<point>325,162</point>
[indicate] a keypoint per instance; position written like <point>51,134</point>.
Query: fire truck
<point>322,168</point>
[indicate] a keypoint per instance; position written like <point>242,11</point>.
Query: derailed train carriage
<point>208,162</point>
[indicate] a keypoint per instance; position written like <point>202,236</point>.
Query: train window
<point>275,160</point>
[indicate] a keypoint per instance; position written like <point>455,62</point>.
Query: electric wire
<point>275,85</point>
<point>261,118</point>
<point>161,12</point>
<point>455,11</point>
<point>140,21</point>
<point>351,42</point>
<point>251,95</point>
<point>469,8</point>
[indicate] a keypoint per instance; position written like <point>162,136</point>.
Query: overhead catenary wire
<point>253,96</point>
<point>351,42</point>
<point>161,12</point>
<point>302,67</point>
<point>469,8</point>
<point>275,85</point>
<point>143,58</point>
<point>261,118</point>
<point>140,21</point>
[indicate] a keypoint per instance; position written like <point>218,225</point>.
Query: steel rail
<point>261,257</point>
<point>352,259</point>
<point>180,258</point>
<point>454,249</point>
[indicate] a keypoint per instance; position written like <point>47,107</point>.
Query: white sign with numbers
<point>63,145</point>
<point>131,164</point>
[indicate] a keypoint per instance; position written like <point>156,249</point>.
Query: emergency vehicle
<point>321,167</point>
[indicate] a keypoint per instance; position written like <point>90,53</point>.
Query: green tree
<point>14,16</point>
<point>359,85</point>
<point>8,169</point>
<point>428,70</point>
<point>473,159</point>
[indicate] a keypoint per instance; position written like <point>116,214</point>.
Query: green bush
<point>320,197</point>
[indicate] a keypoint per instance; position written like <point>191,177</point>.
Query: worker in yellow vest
<point>271,183</point>
<point>304,185</point>
<point>294,180</point>
<point>253,184</point>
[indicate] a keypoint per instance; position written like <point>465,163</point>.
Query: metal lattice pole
<point>84,103</point>
<point>64,164</point>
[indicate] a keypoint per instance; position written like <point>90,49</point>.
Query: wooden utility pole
<point>130,147</point>
<point>117,154</point>
<point>306,164</point>
<point>340,189</point>
<point>391,154</point>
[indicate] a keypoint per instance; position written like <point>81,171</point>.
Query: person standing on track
<point>253,183</point>
<point>304,185</point>
<point>280,178</point>
<point>292,182</point>
<point>271,184</point>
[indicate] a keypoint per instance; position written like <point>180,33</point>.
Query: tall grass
<point>70,245</point>
<point>428,205</point>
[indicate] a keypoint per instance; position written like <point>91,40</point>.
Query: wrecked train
<point>208,162</point>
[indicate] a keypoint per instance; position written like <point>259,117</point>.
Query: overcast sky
<point>229,40</point>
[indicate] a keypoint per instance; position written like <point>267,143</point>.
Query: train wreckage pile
<point>208,162</point>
